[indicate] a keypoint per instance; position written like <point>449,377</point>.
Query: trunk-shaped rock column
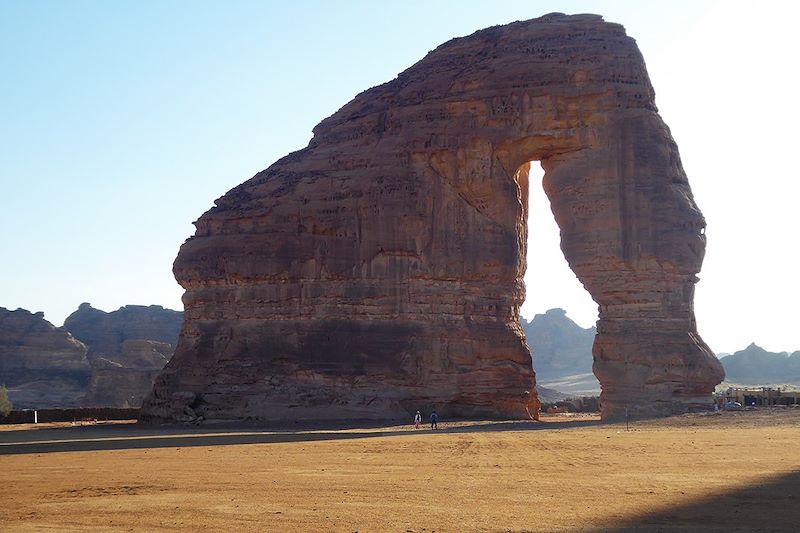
<point>635,238</point>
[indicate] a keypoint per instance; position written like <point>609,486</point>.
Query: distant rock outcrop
<point>104,333</point>
<point>42,365</point>
<point>560,346</point>
<point>562,353</point>
<point>127,349</point>
<point>756,366</point>
<point>115,365</point>
<point>126,383</point>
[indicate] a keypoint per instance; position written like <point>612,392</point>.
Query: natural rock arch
<point>379,270</point>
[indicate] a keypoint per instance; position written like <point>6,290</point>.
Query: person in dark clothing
<point>434,420</point>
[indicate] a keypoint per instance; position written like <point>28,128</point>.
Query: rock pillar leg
<point>633,235</point>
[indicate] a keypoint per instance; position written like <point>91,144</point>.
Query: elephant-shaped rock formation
<point>380,269</point>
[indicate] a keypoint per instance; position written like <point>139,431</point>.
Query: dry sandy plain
<point>728,472</point>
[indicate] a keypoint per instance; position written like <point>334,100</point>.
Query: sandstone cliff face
<point>42,365</point>
<point>127,350</point>
<point>379,270</point>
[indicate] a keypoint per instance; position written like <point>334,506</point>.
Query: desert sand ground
<point>727,472</point>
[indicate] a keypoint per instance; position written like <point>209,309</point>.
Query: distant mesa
<point>560,346</point>
<point>42,365</point>
<point>105,333</point>
<point>380,269</point>
<point>756,366</point>
<point>128,348</point>
<point>562,353</point>
<point>95,359</point>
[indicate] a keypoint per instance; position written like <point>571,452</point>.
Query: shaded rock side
<point>126,383</point>
<point>379,269</point>
<point>43,366</point>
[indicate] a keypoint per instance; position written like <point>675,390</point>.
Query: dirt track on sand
<point>728,472</point>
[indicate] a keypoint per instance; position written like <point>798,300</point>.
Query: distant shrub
<point>5,403</point>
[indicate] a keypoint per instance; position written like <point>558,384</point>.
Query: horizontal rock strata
<point>379,270</point>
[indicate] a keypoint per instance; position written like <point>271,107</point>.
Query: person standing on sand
<point>417,420</point>
<point>434,420</point>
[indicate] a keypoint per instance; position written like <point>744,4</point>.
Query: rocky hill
<point>95,359</point>
<point>105,333</point>
<point>42,365</point>
<point>562,352</point>
<point>127,349</point>
<point>756,366</point>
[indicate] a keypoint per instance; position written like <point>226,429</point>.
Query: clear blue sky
<point>120,123</point>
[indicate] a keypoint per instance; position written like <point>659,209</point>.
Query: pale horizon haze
<point>121,123</point>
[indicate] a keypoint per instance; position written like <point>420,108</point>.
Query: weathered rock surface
<point>42,365</point>
<point>127,350</point>
<point>379,270</point>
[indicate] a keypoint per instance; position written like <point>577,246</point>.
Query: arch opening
<point>633,240</point>
<point>558,316</point>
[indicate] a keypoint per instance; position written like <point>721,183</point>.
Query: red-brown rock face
<point>379,270</point>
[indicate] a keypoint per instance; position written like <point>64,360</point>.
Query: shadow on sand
<point>135,436</point>
<point>771,504</point>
